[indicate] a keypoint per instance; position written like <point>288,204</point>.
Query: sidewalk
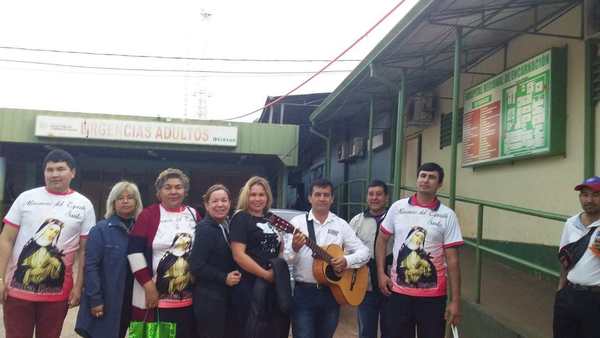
<point>347,327</point>
<point>515,298</point>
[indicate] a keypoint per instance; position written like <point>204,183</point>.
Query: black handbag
<point>571,253</point>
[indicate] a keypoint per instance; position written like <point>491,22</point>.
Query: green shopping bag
<point>156,329</point>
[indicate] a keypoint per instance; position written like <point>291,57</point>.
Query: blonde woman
<point>105,308</point>
<point>254,243</point>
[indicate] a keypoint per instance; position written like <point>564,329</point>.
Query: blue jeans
<point>315,313</point>
<point>369,312</point>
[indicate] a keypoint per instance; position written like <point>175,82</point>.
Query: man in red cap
<point>577,303</point>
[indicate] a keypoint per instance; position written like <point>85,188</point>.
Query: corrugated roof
<point>423,42</point>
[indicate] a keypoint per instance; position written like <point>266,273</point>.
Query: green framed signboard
<point>520,113</point>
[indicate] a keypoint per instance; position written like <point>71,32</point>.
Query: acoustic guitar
<point>348,287</point>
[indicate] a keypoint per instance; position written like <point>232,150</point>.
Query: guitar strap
<point>310,225</point>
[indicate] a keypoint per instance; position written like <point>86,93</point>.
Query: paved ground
<point>511,296</point>
<point>346,328</point>
<point>515,298</point>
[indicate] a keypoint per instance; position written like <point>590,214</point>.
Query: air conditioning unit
<point>420,110</point>
<point>343,152</point>
<point>358,147</point>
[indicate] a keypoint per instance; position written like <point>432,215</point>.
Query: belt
<point>310,285</point>
<point>579,287</point>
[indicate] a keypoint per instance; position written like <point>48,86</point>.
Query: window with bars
<point>595,63</point>
<point>446,129</point>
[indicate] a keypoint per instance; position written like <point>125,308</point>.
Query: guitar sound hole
<point>331,275</point>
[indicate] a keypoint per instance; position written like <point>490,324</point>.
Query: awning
<point>422,44</point>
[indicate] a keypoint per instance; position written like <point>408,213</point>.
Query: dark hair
<point>321,183</point>
<point>432,166</point>
<point>378,183</point>
<point>59,155</point>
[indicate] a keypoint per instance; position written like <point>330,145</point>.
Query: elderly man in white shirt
<point>315,311</point>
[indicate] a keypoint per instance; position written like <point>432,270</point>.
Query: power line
<point>322,70</point>
<point>168,70</point>
<point>166,57</point>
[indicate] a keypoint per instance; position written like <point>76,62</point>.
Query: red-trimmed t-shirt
<point>50,226</point>
<point>421,233</point>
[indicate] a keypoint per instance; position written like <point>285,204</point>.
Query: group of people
<point>225,273</point>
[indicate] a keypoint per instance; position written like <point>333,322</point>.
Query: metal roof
<point>297,108</point>
<point>422,43</point>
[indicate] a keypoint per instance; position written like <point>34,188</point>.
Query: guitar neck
<point>286,226</point>
<point>318,251</point>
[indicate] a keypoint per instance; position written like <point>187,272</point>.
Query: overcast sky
<point>266,29</point>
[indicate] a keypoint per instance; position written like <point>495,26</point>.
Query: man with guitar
<point>315,310</point>
<point>426,236</point>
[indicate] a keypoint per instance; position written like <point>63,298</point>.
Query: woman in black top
<point>212,266</point>
<point>253,242</point>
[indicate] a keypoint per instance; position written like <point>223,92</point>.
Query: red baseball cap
<point>592,183</point>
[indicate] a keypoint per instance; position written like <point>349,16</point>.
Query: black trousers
<point>576,313</point>
<point>183,317</point>
<point>408,314</point>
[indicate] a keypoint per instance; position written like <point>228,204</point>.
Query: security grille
<point>446,129</point>
<point>595,74</point>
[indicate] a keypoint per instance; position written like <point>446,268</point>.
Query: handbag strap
<point>571,253</point>
<point>157,315</point>
<point>192,213</point>
<point>146,316</point>
<point>454,331</point>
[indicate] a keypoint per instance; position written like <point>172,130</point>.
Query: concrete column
<point>281,113</point>
<point>589,131</point>
<point>399,147</point>
<point>370,141</point>
<point>455,111</point>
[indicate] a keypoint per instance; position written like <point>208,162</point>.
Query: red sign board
<point>481,133</point>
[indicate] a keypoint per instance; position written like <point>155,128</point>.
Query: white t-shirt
<point>50,226</point>
<point>587,269</point>
<point>421,233</point>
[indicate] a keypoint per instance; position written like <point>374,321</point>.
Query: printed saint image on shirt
<point>173,271</point>
<point>40,267</point>
<point>270,242</point>
<point>415,268</point>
